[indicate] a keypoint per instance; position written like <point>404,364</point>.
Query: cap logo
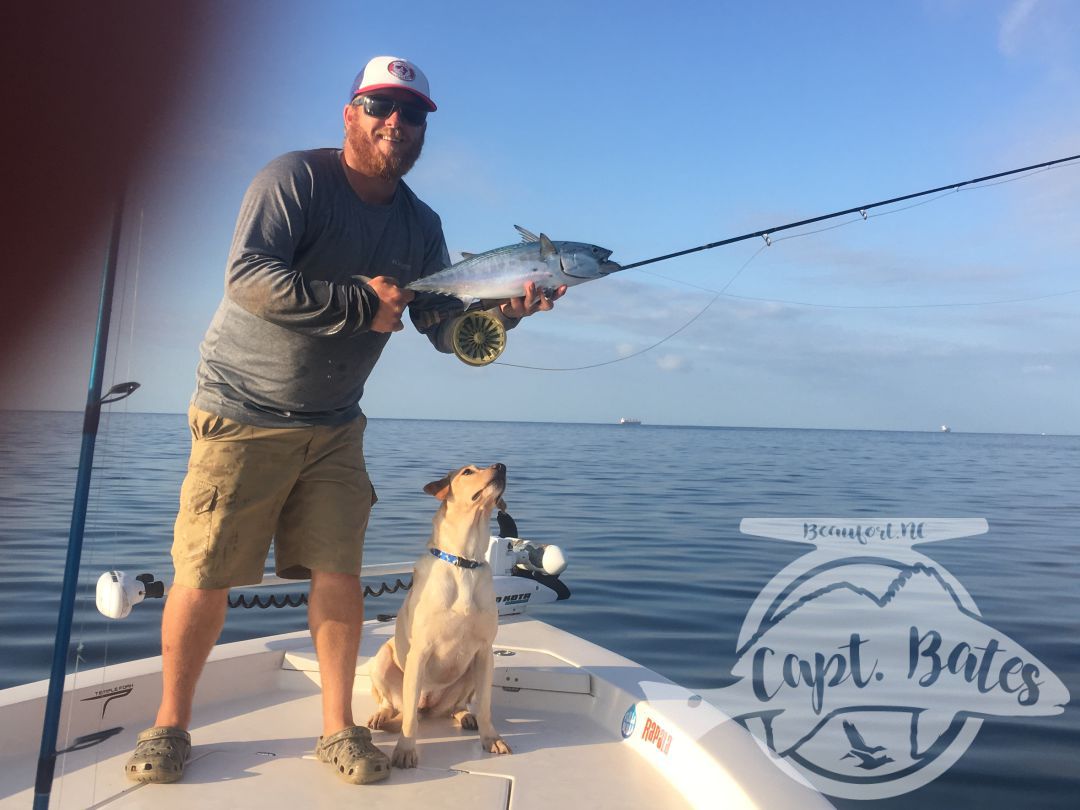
<point>403,70</point>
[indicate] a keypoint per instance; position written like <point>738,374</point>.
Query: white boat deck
<point>559,702</point>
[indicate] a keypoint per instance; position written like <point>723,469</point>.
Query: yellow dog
<point>440,657</point>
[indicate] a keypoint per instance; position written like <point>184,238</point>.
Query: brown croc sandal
<point>356,758</point>
<point>160,755</point>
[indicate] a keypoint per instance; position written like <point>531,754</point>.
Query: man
<point>325,242</point>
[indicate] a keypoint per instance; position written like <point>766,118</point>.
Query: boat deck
<point>258,714</point>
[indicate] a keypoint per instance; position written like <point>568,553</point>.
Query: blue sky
<point>648,130</point>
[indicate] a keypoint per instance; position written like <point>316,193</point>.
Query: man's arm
<point>260,276</point>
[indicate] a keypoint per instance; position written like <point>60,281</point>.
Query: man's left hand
<point>534,300</point>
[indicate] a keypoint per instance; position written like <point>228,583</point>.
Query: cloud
<point>1042,33</point>
<point>1013,24</point>
<point>1041,368</point>
<point>672,362</point>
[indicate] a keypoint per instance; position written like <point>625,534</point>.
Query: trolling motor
<point>513,558</point>
<point>524,573</point>
<point>117,593</point>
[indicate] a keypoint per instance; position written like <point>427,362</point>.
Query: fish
<point>502,273</point>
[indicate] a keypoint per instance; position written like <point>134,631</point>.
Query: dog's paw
<point>495,745</point>
<point>382,720</point>
<point>466,720</point>
<point>405,756</point>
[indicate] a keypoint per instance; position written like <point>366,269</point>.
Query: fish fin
<point>466,255</point>
<point>526,235</point>
<point>547,249</point>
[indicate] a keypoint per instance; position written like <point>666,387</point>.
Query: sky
<point>648,130</point>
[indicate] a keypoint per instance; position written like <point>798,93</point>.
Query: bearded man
<point>325,243</point>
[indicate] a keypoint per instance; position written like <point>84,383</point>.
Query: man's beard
<point>375,163</point>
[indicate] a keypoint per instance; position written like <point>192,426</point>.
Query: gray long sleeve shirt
<point>290,343</point>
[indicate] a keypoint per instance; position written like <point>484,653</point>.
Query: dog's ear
<point>500,504</point>
<point>441,488</point>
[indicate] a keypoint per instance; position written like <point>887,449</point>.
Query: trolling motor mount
<point>478,338</point>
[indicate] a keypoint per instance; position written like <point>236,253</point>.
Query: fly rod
<point>858,209</point>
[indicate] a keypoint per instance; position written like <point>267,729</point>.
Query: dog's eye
<point>466,472</point>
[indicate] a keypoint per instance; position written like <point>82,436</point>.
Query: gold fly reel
<point>478,338</point>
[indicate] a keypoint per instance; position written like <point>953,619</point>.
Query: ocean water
<point>649,520</point>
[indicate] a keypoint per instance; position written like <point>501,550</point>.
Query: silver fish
<point>502,273</point>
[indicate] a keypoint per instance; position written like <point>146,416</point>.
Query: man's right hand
<point>393,298</point>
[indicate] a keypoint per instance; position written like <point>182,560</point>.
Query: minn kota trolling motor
<point>524,573</point>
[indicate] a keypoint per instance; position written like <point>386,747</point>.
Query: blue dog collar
<point>460,562</point>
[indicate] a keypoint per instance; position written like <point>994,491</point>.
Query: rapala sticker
<point>866,666</point>
<point>654,734</point>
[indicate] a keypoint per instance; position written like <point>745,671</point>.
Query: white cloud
<point>1041,368</point>
<point>672,362</point>
<point>1012,25</point>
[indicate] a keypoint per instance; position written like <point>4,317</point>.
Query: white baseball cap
<point>384,72</point>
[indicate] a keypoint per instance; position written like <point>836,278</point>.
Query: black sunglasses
<point>383,107</point>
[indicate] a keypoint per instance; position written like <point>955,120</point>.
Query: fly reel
<point>478,338</point>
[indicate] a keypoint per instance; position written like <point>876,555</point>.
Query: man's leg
<point>336,617</point>
<point>190,625</point>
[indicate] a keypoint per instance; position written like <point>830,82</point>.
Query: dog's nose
<point>500,469</point>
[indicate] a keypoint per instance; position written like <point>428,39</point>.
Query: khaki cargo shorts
<point>305,488</point>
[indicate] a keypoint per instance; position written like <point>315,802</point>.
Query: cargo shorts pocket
<point>195,522</point>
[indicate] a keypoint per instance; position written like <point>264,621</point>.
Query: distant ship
<point>945,429</point>
<point>626,420</point>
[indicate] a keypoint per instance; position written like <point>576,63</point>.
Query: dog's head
<point>471,485</point>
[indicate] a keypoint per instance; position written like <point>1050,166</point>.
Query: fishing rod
<point>92,416</point>
<point>766,233</point>
<point>479,337</point>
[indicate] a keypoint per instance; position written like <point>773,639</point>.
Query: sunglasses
<point>383,107</point>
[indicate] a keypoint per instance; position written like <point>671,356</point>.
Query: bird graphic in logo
<point>865,753</point>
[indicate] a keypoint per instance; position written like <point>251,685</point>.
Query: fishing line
<point>135,292</point>
<point>868,306</point>
<point>713,300</point>
<point>933,195</point>
<point>106,446</point>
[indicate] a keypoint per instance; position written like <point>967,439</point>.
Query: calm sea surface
<point>649,520</point>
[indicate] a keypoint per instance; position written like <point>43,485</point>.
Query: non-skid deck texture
<point>257,752</point>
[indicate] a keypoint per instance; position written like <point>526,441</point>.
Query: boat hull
<point>588,728</point>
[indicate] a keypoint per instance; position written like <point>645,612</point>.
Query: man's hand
<point>534,300</point>
<point>392,302</point>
